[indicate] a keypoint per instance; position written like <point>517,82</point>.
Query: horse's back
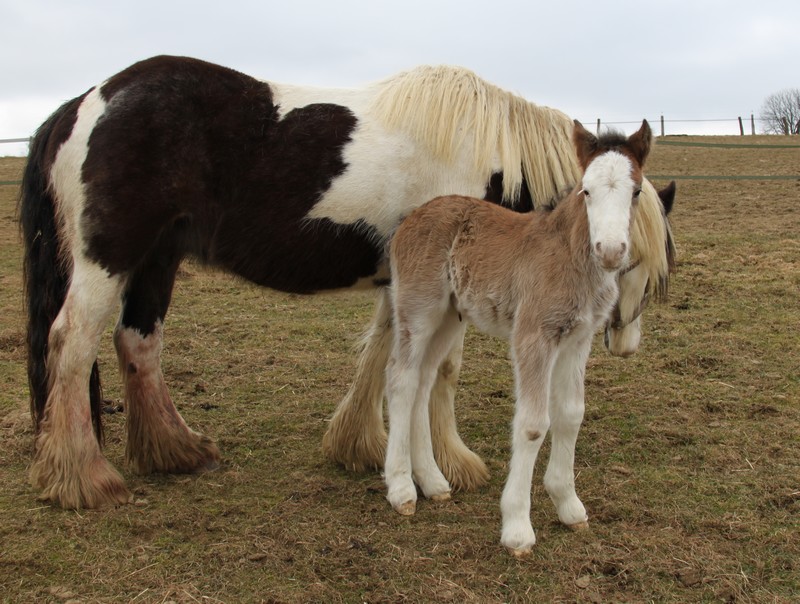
<point>178,150</point>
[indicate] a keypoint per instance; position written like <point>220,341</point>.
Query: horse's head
<point>611,184</point>
<point>623,330</point>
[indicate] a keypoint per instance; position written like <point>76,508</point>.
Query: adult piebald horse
<point>293,188</point>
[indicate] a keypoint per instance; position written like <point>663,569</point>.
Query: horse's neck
<point>571,223</point>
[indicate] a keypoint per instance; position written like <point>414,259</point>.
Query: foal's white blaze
<point>608,189</point>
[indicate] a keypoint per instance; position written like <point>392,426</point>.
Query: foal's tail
<point>47,271</point>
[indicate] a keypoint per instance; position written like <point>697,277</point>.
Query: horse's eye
<point>585,192</point>
<point>636,194</point>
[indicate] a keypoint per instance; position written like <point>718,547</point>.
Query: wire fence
<point>719,126</point>
<point>680,143</point>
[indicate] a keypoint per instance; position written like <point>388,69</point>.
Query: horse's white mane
<point>448,107</point>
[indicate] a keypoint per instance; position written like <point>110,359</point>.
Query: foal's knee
<point>531,432</point>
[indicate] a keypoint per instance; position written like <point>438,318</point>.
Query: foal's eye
<point>585,192</point>
<point>636,194</point>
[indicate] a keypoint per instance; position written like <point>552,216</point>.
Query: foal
<point>547,281</point>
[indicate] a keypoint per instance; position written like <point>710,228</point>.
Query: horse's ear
<point>585,144</point>
<point>667,197</point>
<point>640,141</point>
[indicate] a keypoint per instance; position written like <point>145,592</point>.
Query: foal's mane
<point>440,105</point>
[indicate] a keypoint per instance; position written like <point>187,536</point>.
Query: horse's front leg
<point>356,437</point>
<point>566,415</point>
<point>463,468</point>
<point>534,357</point>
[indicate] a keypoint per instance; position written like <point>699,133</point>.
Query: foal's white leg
<point>421,342</point>
<point>356,437</point>
<point>463,468</point>
<point>403,376</point>
<point>533,362</point>
<point>566,415</point>
<point>426,471</point>
<point>68,465</point>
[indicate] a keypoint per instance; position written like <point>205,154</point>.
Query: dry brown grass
<point>688,461</point>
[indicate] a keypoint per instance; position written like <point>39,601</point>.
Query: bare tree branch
<point>780,112</point>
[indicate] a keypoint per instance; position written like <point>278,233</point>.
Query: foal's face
<point>611,191</point>
<point>612,181</point>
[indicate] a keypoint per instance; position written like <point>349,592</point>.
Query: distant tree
<point>780,112</point>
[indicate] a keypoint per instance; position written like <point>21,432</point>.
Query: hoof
<point>185,452</point>
<point>95,485</point>
<point>520,554</point>
<point>408,508</point>
<point>441,497</point>
<point>579,526</point>
<point>75,475</point>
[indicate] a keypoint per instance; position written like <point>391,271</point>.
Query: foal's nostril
<point>624,247</point>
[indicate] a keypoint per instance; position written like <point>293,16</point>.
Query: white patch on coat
<point>65,177</point>
<point>388,173</point>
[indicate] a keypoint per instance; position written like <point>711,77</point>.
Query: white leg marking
<point>533,367</point>
<point>566,415</point>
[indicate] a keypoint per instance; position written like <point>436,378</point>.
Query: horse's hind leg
<point>356,436</point>
<point>463,468</point>
<point>158,438</point>
<point>68,465</point>
<point>426,471</point>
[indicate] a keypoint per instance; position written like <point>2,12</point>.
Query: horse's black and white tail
<point>46,271</point>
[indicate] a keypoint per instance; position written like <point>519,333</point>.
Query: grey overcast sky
<point>617,60</point>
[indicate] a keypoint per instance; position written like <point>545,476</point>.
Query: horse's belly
<point>303,259</point>
<point>487,316</point>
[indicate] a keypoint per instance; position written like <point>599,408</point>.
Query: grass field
<point>688,461</point>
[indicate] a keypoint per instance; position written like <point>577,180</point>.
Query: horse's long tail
<point>47,270</point>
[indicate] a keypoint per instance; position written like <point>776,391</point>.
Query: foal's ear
<point>585,144</point>
<point>640,141</point>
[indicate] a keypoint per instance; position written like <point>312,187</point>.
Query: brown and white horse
<point>547,281</point>
<point>293,188</point>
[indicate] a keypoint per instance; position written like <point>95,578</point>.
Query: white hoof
<point>519,541</point>
<point>408,508</point>
<point>520,553</point>
<point>579,526</point>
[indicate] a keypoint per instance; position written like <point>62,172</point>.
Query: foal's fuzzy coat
<point>547,281</point>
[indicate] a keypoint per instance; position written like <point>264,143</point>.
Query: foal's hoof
<point>521,553</point>
<point>579,526</point>
<point>441,497</point>
<point>408,508</point>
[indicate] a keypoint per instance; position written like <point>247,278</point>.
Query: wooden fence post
<point>752,125</point>
<point>662,125</point>
<point>598,126</point>
<point>741,126</point>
